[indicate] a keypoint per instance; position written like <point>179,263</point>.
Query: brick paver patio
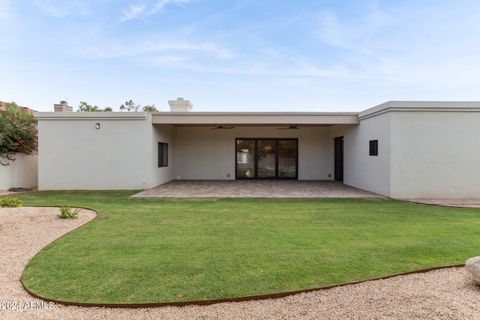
<point>254,189</point>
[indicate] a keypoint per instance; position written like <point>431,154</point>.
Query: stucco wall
<point>161,133</point>
<point>432,151</point>
<point>73,154</point>
<point>203,153</point>
<point>19,173</point>
<point>435,154</point>
<point>361,170</point>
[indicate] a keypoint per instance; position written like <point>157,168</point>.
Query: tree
<point>85,107</point>
<point>130,106</point>
<point>18,132</point>
<point>150,108</point>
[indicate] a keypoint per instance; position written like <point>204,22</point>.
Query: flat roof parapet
<point>91,115</point>
<point>421,106</point>
<point>255,118</point>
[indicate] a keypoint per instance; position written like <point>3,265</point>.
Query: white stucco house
<point>397,149</point>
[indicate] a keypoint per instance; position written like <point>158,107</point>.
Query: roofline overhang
<point>420,106</point>
<point>254,118</point>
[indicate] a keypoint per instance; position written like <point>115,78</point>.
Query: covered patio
<point>254,189</point>
<point>234,146</point>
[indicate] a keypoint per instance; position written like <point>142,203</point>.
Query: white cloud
<point>169,60</point>
<point>267,70</point>
<point>355,36</point>
<point>428,46</point>
<point>133,12</point>
<point>152,47</point>
<point>268,62</point>
<point>63,8</point>
<point>139,10</point>
<point>162,4</point>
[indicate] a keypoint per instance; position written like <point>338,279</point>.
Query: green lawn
<point>148,250</point>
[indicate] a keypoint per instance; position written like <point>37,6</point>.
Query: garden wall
<point>23,173</point>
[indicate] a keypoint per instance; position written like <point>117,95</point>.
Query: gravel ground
<point>441,294</point>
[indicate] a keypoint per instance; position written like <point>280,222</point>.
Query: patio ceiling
<point>255,118</point>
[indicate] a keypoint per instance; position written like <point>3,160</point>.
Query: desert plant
<point>68,213</point>
<point>10,202</point>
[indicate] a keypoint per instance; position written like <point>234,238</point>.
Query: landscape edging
<point>213,301</point>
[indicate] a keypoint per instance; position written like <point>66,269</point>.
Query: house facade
<point>397,149</point>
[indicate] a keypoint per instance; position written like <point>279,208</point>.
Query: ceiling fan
<point>290,127</point>
<point>220,127</point>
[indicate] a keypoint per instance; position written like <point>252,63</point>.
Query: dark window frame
<point>373,148</point>
<point>338,158</point>
<point>162,154</point>
<point>276,159</point>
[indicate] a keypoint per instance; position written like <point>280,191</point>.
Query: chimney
<point>180,105</point>
<point>62,107</point>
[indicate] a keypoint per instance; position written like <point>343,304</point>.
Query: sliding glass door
<point>272,158</point>
<point>245,167</point>
<point>287,159</point>
<point>266,159</point>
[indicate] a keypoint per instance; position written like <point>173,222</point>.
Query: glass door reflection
<point>266,159</point>
<point>287,159</point>
<point>245,151</point>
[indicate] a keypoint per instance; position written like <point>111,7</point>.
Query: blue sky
<point>239,55</point>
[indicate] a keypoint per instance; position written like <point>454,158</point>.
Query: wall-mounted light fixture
<point>97,125</point>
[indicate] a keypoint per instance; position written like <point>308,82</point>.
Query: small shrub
<point>68,213</point>
<point>10,202</point>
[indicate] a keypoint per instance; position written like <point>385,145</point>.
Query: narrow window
<point>162,154</point>
<point>373,150</point>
